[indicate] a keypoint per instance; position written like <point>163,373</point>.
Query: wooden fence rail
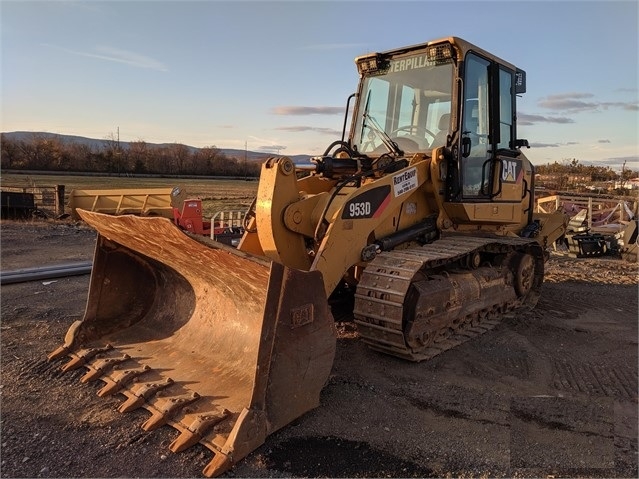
<point>549,204</point>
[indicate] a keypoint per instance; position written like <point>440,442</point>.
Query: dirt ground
<point>548,393</point>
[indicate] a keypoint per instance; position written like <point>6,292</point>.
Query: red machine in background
<point>226,226</point>
<point>189,217</point>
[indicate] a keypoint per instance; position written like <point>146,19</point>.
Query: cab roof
<point>462,46</point>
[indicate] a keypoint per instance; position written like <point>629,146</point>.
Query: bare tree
<point>10,153</point>
<point>139,155</point>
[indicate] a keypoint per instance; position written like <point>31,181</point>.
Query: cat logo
<point>511,171</point>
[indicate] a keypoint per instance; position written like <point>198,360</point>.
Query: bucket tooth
<point>198,428</point>
<point>138,396</point>
<point>83,356</point>
<point>58,353</point>
<point>166,407</point>
<point>70,342</point>
<point>102,366</point>
<point>133,402</point>
<point>248,433</point>
<point>218,465</point>
<point>120,379</point>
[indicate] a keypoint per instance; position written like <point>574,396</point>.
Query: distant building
<point>631,184</point>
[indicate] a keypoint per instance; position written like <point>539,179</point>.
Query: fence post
<point>59,200</point>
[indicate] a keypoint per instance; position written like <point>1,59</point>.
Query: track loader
<point>422,215</point>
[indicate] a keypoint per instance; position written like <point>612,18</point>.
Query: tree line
<point>569,172</point>
<point>44,153</point>
<point>593,172</point>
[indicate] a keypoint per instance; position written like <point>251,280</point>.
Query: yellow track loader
<point>422,215</point>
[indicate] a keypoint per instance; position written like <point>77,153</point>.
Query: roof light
<point>440,53</point>
<point>369,64</point>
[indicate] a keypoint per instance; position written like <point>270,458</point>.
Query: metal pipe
<point>45,272</point>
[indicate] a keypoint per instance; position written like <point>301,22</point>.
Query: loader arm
<point>346,225</point>
<point>354,227</point>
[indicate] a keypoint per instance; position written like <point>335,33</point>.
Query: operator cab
<point>447,93</point>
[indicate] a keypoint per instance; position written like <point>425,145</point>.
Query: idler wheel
<point>524,274</point>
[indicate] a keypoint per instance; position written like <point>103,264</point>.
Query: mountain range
<point>98,144</point>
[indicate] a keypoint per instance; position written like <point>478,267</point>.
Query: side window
<point>505,109</point>
<point>475,125</point>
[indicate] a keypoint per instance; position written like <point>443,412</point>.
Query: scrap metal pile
<point>597,227</point>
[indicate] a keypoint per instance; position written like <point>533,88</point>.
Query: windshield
<point>409,103</point>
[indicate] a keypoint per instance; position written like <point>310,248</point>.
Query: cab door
<point>493,177</point>
<point>475,164</point>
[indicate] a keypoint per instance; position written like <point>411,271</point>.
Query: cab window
<point>505,109</point>
<point>475,126</point>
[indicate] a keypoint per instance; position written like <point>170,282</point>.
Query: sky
<point>275,76</point>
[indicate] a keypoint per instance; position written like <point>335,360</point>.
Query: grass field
<point>216,194</point>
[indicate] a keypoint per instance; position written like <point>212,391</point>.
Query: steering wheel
<point>412,130</point>
<point>412,134</point>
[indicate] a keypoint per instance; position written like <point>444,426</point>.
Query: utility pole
<point>117,151</point>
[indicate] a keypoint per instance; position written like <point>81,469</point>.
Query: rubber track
<point>380,294</point>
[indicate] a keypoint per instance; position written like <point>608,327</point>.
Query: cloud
<point>574,103</point>
<point>632,162</point>
<point>119,56</point>
<point>226,126</point>
<point>545,145</point>
<point>525,119</point>
<point>570,95</point>
<point>631,106</point>
<point>268,144</point>
<point>275,148</point>
<point>297,129</point>
<point>557,145</point>
<point>332,46</point>
<point>307,110</point>
<point>620,104</point>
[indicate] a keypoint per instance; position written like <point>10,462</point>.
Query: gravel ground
<point>552,392</point>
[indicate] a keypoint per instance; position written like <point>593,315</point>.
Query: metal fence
<point>49,200</point>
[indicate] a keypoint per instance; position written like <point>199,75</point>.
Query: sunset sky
<point>275,76</point>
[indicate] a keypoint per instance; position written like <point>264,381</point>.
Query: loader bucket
<point>223,346</point>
